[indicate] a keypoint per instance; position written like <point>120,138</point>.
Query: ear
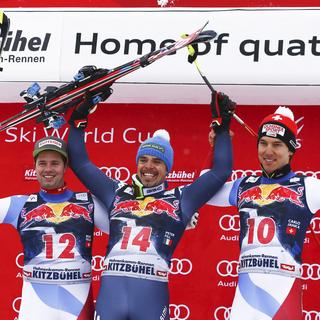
<point>290,155</point>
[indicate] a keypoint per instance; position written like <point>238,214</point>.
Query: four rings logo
<point>230,222</point>
<point>97,263</point>
<point>180,266</point>
<point>236,174</point>
<point>179,312</point>
<point>19,260</point>
<point>311,315</point>
<point>222,313</point>
<point>16,304</point>
<point>314,225</point>
<point>227,268</point>
<point>310,271</point>
<point>121,173</point>
<point>314,174</point>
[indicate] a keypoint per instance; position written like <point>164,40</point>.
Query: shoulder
<point>311,182</point>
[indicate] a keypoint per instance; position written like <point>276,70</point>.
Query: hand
<point>222,109</point>
<point>79,116</point>
<point>193,222</point>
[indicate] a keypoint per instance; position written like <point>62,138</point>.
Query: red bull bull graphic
<point>127,206</point>
<point>40,213</point>
<point>75,211</point>
<point>266,194</point>
<point>148,206</point>
<point>56,213</point>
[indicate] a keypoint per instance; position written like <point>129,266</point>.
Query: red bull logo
<point>148,206</point>
<point>75,211</point>
<point>158,206</point>
<point>43,212</point>
<point>56,213</point>
<point>266,194</point>
<point>127,206</point>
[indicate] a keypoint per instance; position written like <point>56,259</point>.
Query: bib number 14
<point>139,240</point>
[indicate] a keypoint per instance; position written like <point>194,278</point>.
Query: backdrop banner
<point>204,267</point>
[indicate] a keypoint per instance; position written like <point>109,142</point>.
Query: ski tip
<point>205,36</point>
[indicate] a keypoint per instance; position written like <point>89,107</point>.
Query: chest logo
<point>148,206</point>
<point>269,193</point>
<point>56,213</point>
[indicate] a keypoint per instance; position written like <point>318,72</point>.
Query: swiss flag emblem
<point>291,230</point>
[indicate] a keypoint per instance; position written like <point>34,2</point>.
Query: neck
<point>277,174</point>
<point>56,190</point>
<point>140,191</point>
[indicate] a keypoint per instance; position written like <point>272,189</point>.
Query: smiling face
<point>273,154</point>
<point>151,171</point>
<point>50,169</point>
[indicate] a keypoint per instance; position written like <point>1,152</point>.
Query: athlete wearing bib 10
<point>56,229</point>
<point>146,221</point>
<point>275,211</point>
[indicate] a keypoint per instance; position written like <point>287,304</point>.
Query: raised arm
<point>89,174</point>
<point>206,186</point>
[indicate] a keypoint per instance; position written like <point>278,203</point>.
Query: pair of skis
<point>4,29</point>
<point>48,106</point>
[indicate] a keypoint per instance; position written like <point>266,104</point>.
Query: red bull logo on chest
<point>148,206</point>
<point>56,213</point>
<point>269,193</point>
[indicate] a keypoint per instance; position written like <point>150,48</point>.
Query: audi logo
<point>314,174</point>
<point>121,173</point>
<point>97,263</point>
<point>180,266</point>
<point>19,260</point>
<point>314,225</point>
<point>16,304</point>
<point>179,312</point>
<point>236,174</point>
<point>222,313</point>
<point>310,271</point>
<point>311,315</point>
<point>230,222</point>
<point>227,268</point>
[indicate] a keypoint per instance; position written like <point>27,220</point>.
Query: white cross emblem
<point>277,117</point>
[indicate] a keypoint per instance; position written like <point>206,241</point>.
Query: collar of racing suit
<point>140,191</point>
<point>55,191</point>
<point>277,174</point>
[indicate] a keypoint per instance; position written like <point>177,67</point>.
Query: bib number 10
<point>261,231</point>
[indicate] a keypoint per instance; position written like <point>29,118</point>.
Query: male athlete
<point>56,229</point>
<point>146,219</point>
<point>275,212</point>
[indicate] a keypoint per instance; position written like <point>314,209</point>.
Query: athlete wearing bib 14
<point>56,230</point>
<point>147,220</point>
<point>275,211</point>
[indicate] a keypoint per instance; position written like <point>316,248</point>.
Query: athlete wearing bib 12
<point>147,220</point>
<point>275,211</point>
<point>56,230</point>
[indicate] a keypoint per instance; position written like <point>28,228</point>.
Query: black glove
<point>222,109</point>
<point>79,116</point>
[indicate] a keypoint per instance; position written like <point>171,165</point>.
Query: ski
<point>54,101</point>
<point>4,29</point>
